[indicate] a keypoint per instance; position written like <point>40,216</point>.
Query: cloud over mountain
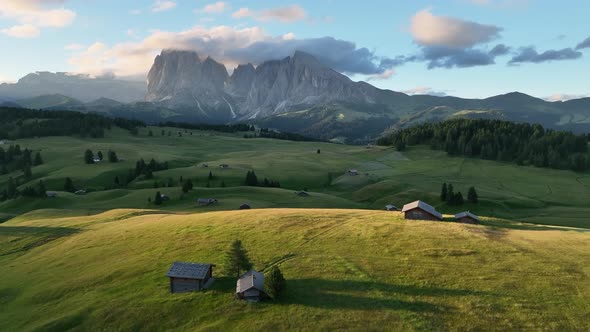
<point>530,54</point>
<point>231,46</point>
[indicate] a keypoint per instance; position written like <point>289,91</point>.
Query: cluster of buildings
<point>191,277</point>
<point>419,210</point>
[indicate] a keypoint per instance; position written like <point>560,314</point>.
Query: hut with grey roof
<point>419,210</point>
<point>467,217</point>
<point>190,277</point>
<point>250,286</point>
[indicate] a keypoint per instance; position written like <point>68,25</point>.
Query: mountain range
<point>297,94</point>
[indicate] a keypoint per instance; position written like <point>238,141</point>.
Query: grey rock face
<point>180,79</point>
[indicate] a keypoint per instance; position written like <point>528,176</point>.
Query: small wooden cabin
<point>250,286</point>
<point>353,172</point>
<point>51,194</point>
<point>245,206</point>
<point>302,193</point>
<point>206,201</point>
<point>190,277</point>
<point>224,166</point>
<point>390,207</point>
<point>420,210</point>
<point>467,217</point>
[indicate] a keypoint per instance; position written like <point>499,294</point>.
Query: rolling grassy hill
<point>345,269</point>
<point>506,191</point>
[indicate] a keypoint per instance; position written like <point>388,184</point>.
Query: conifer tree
<point>274,282</point>
<point>236,259</point>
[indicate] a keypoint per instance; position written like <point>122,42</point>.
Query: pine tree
<point>113,157</point>
<point>458,200</point>
<point>150,133</point>
<point>318,151</point>
<point>69,185</point>
<point>274,282</point>
<point>236,259</point>
<point>443,192</point>
<point>117,182</point>
<point>210,175</point>
<point>99,155</point>
<point>27,171</point>
<point>12,190</point>
<point>450,195</point>
<point>38,160</point>
<point>472,195</point>
<point>187,186</point>
<point>158,198</point>
<point>41,190</point>
<point>89,157</point>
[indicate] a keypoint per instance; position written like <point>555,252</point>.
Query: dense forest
<point>524,144</point>
<point>224,128</point>
<point>269,133</point>
<point>25,123</point>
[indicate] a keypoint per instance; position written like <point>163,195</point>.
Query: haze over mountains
<point>297,93</point>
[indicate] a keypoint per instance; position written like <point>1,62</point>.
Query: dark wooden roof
<point>422,206</point>
<point>466,214</point>
<point>188,270</point>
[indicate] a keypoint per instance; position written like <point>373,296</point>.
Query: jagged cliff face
<point>180,80</point>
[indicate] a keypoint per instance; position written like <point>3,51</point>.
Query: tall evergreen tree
<point>237,260</point>
<point>443,192</point>
<point>472,195</point>
<point>274,282</point>
<point>158,198</point>
<point>41,190</point>
<point>210,175</point>
<point>69,185</point>
<point>458,200</point>
<point>187,186</point>
<point>12,191</point>
<point>113,157</point>
<point>27,171</point>
<point>450,195</point>
<point>38,160</point>
<point>99,155</point>
<point>89,157</point>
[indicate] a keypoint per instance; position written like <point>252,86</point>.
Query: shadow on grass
<point>27,237</point>
<point>366,295</point>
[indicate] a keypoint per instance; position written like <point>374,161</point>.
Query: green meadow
<point>507,191</point>
<point>346,269</point>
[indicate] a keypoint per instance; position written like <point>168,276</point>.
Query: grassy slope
<point>507,191</point>
<point>346,269</point>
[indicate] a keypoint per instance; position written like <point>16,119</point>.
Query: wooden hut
<point>245,206</point>
<point>302,193</point>
<point>190,277</point>
<point>467,217</point>
<point>420,210</point>
<point>206,201</point>
<point>250,286</point>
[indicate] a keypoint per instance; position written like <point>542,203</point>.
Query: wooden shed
<point>391,207</point>
<point>302,193</point>
<point>190,277</point>
<point>206,201</point>
<point>420,210</point>
<point>467,217</point>
<point>250,286</point>
<point>245,206</point>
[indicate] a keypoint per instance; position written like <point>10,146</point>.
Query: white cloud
<point>163,5</point>
<point>287,14</point>
<point>214,8</point>
<point>423,90</point>
<point>387,74</point>
<point>22,31</point>
<point>33,15</point>
<point>565,97</point>
<point>230,46</point>
<point>443,31</point>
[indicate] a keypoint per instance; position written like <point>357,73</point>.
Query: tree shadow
<point>24,238</point>
<point>348,294</point>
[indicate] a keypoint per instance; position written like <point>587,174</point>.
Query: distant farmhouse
<point>302,193</point>
<point>51,194</point>
<point>245,207</point>
<point>80,192</point>
<point>190,277</point>
<point>3,141</point>
<point>206,201</point>
<point>419,210</point>
<point>467,217</point>
<point>96,159</point>
<point>250,286</point>
<point>204,165</point>
<point>391,208</point>
<point>223,166</point>
<point>353,172</point>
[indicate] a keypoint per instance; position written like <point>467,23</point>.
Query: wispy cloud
<point>214,8</point>
<point>584,44</point>
<point>423,90</point>
<point>22,31</point>
<point>289,14</point>
<point>530,54</point>
<point>163,5</point>
<point>565,97</point>
<point>32,15</point>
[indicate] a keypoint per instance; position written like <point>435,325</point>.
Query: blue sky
<point>467,48</point>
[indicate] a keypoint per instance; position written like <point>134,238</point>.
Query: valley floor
<point>345,269</point>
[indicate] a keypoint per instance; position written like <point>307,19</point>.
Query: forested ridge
<point>524,144</point>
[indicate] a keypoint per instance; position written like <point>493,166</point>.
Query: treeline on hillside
<point>269,133</point>
<point>14,159</point>
<point>25,123</point>
<point>524,144</point>
<point>224,128</point>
